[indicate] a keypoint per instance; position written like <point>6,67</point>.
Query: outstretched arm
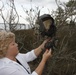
<point>40,67</point>
<point>39,49</point>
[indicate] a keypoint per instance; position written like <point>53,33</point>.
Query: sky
<point>27,4</point>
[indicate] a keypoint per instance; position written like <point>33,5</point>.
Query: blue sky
<point>48,4</point>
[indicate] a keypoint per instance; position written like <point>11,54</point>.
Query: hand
<point>43,44</point>
<point>46,55</point>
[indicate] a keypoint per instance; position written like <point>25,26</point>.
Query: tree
<point>65,12</point>
<point>32,15</point>
<point>12,18</point>
<point>71,6</point>
<point>64,57</point>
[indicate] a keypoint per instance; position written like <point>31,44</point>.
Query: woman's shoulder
<point>1,63</point>
<point>4,62</point>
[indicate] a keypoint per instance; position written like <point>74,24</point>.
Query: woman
<point>14,63</point>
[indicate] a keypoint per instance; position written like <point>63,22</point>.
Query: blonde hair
<point>5,39</point>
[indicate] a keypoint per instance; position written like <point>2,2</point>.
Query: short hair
<point>6,38</point>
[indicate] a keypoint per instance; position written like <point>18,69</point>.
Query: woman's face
<point>13,48</point>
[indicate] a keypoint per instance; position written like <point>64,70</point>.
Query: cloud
<point>48,4</point>
<point>34,1</point>
<point>38,2</point>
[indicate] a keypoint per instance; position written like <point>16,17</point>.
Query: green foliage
<point>65,13</point>
<point>63,61</point>
<point>71,3</point>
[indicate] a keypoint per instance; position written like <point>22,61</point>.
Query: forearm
<point>40,67</point>
<point>38,50</point>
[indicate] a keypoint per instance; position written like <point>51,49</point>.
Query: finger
<point>50,51</point>
<point>47,50</point>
